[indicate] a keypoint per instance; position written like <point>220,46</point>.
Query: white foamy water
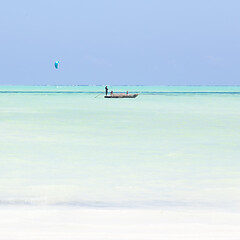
<point>62,223</point>
<point>169,147</point>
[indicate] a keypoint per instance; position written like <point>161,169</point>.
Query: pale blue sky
<point>149,42</point>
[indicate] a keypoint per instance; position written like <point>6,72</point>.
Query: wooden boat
<point>121,95</point>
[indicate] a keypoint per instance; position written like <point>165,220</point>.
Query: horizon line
<point>84,85</point>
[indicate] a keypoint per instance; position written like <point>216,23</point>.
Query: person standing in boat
<point>106,89</point>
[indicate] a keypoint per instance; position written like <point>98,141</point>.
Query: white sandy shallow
<point>70,223</point>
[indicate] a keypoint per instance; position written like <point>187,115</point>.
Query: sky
<point>120,42</point>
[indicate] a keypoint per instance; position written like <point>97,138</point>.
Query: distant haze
<point>132,42</point>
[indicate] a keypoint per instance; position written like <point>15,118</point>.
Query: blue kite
<point>56,64</point>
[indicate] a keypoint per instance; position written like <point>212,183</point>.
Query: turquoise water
<point>171,146</point>
<point>133,89</point>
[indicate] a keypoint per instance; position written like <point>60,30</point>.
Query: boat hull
<point>121,96</point>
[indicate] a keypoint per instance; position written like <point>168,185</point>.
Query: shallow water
<point>171,146</point>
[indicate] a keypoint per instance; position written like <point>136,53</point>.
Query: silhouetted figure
<point>106,89</point>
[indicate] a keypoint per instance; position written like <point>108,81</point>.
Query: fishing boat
<point>121,95</point>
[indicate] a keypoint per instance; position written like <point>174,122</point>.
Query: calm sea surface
<point>171,146</point>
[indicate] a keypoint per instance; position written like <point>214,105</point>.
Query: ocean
<point>169,147</point>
